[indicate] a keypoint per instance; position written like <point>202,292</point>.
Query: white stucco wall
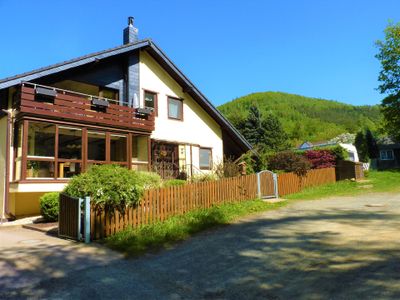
<point>197,127</point>
<point>351,149</point>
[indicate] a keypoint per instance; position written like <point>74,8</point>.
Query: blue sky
<point>322,49</point>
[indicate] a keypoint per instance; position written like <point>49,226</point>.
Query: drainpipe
<point>7,166</point>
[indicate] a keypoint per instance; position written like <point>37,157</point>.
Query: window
<point>41,139</point>
<point>140,152</point>
<point>69,151</point>
<point>96,146</point>
<point>175,108</point>
<point>55,151</point>
<point>69,143</point>
<point>118,146</point>
<point>18,151</point>
<point>150,100</point>
<point>386,155</point>
<point>205,159</point>
<point>41,150</point>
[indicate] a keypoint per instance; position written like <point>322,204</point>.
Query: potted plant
<point>32,169</point>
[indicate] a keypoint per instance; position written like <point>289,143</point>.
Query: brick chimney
<point>130,32</point>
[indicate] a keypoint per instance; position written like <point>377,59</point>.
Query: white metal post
<point>87,220</point>
<point>275,176</point>
<point>259,185</point>
<point>80,201</point>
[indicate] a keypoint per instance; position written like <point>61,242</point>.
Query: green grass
<point>135,241</point>
<point>382,181</point>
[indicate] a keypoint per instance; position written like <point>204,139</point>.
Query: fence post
<point>259,185</point>
<point>87,220</point>
<point>79,236</point>
<point>275,177</point>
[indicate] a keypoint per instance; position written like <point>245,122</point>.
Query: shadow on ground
<point>334,252</point>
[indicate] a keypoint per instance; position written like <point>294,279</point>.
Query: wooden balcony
<point>82,108</point>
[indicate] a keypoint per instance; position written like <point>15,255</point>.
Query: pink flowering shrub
<point>320,158</point>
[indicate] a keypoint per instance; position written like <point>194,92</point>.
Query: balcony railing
<point>55,103</point>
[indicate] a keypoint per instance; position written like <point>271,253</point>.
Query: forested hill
<point>304,118</point>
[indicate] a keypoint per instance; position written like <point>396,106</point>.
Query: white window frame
<point>383,154</point>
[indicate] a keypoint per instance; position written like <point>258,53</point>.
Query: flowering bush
<point>320,158</point>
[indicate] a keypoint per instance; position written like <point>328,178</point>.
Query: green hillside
<point>304,118</point>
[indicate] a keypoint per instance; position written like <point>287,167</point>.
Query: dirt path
<point>344,248</point>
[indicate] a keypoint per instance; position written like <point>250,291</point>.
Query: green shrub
<point>204,177</point>
<point>149,180</point>
<point>174,182</point>
<point>49,206</point>
<point>111,186</point>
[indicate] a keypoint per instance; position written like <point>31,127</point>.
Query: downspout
<point>7,167</point>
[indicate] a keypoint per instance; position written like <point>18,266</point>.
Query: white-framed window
<point>175,109</point>
<point>386,154</point>
<point>205,158</point>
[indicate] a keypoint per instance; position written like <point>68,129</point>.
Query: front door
<point>165,159</point>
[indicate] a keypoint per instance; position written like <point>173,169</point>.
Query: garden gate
<point>73,222</point>
<point>267,185</point>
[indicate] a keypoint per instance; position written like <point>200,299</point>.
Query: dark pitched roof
<point>73,63</point>
<point>159,56</point>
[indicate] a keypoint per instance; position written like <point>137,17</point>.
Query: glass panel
<point>174,108</point>
<point>140,167</point>
<point>19,142</point>
<point>68,169</point>
<point>96,146</point>
<point>18,166</point>
<point>118,148</point>
<point>69,143</point>
<point>41,139</point>
<point>205,158</point>
<point>149,99</point>
<point>140,148</point>
<point>39,169</point>
<point>18,145</point>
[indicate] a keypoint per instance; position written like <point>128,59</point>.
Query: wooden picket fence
<point>160,204</point>
<point>290,183</point>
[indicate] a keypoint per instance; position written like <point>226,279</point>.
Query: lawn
<point>135,241</point>
<point>375,181</point>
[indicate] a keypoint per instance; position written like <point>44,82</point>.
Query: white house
<point>129,105</point>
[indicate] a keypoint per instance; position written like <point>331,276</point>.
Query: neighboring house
<point>129,105</point>
<point>350,148</point>
<point>389,156</point>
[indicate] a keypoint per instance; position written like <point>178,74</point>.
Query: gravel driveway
<point>339,248</point>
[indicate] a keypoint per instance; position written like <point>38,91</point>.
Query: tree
<point>251,127</point>
<point>371,144</point>
<point>389,76</point>
<point>266,134</point>
<point>361,146</point>
<point>275,138</point>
